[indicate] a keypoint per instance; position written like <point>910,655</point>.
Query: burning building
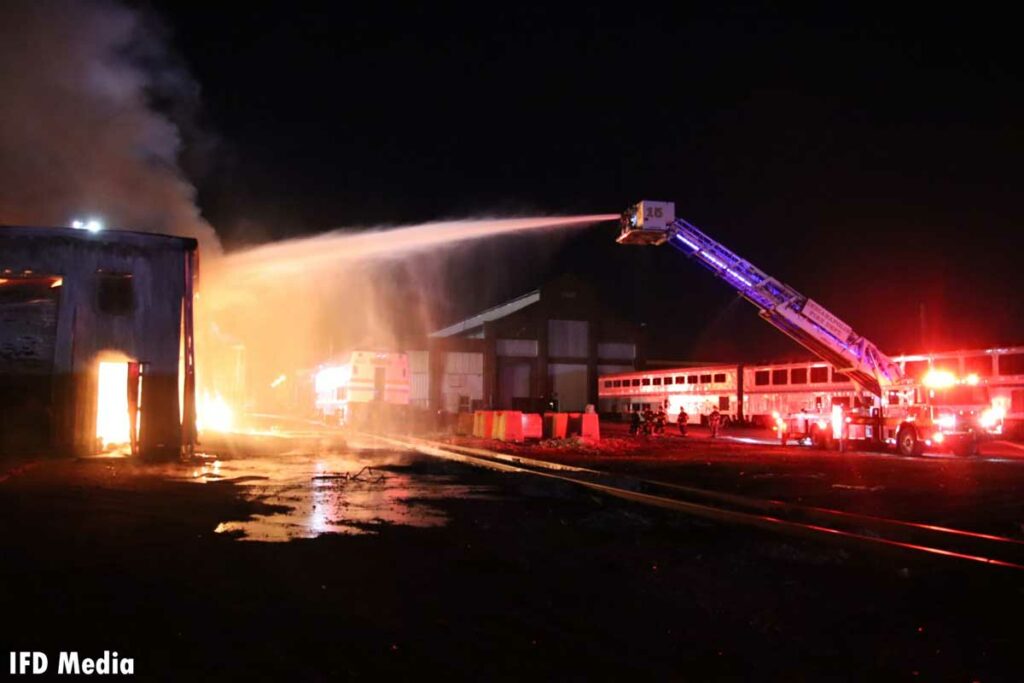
<point>96,347</point>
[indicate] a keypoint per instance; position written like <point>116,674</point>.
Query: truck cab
<point>947,413</point>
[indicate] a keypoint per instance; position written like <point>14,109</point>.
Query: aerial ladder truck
<point>941,411</point>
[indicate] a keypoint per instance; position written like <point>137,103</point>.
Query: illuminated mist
<point>283,308</point>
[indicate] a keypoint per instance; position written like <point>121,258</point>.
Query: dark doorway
<point>28,331</point>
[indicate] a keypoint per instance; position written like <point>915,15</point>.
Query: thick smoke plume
<point>78,136</point>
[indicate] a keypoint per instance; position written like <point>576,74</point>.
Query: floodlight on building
<point>90,224</point>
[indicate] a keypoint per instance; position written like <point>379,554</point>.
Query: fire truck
<point>941,411</point>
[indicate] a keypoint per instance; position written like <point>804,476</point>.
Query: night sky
<point>870,159</point>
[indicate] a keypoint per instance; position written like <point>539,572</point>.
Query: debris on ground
<point>366,475</point>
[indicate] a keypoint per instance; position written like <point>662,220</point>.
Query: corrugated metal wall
<point>569,382</point>
<point>419,379</point>
<point>463,379</point>
<point>513,381</point>
<point>568,338</point>
<point>152,269</point>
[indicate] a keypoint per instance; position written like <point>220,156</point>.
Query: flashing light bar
<point>938,379</point>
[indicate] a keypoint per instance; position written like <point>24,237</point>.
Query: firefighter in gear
<point>648,424</point>
<point>660,420</point>
<point>681,421</point>
<point>714,421</point>
<point>634,423</point>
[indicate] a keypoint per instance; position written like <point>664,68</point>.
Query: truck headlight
<point>990,418</point>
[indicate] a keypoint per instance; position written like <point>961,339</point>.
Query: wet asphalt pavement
<point>340,493</point>
<point>398,565</point>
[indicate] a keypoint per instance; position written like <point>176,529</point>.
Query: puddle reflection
<point>343,493</point>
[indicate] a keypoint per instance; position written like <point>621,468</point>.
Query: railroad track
<point>956,545</point>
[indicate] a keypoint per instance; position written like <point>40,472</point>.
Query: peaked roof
<point>477,321</point>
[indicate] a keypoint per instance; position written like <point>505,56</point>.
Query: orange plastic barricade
<point>508,425</point>
<point>483,423</point>
<point>555,425</point>
<point>586,426</point>
<point>533,426</point>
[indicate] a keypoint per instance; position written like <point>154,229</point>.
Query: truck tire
<point>908,443</point>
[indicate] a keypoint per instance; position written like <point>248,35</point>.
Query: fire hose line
<point>816,523</point>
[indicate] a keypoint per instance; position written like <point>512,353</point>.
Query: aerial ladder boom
<point>805,321</point>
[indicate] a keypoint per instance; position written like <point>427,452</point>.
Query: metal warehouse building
<point>96,342</point>
<point>548,344</point>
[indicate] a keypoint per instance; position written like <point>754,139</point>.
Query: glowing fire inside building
<point>113,423</point>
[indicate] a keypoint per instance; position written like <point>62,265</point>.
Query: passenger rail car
<point>754,392</point>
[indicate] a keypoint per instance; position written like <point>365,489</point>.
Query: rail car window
<point>668,380</point>
<point>841,401</point>
<point>607,384</point>
<point>780,377</point>
<point>680,379</point>
<point>646,381</point>
<point>723,403</point>
<point>819,374</point>
<point>839,377</point>
<point>617,383</point>
<point>798,376</point>
<point>978,365</point>
<point>691,379</point>
<point>636,383</point>
<point>705,379</point>
<point>657,380</point>
<point>720,378</point>
<point>761,377</point>
<point>1011,364</point>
